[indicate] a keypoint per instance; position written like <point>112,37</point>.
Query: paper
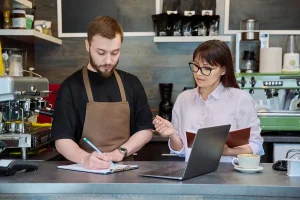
<point>113,169</point>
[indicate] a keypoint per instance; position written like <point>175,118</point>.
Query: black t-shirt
<point>70,104</point>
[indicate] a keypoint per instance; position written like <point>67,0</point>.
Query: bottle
<point>6,20</point>
<point>2,69</point>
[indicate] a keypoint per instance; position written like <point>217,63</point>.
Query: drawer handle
<point>164,154</point>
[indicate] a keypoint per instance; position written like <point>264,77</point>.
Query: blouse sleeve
<point>247,117</point>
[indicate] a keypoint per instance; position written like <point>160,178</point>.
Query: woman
<point>217,100</point>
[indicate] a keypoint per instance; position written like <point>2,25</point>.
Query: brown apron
<point>107,124</point>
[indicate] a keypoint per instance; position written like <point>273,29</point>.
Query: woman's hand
<point>163,127</point>
<point>226,151</point>
<point>244,149</point>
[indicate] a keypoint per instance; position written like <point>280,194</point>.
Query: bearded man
<point>107,106</point>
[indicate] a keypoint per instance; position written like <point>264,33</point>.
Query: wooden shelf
<point>190,38</point>
<point>22,4</point>
<point>29,36</point>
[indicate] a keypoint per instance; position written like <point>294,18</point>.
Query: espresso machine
<point>277,99</point>
<point>277,102</point>
<point>20,99</point>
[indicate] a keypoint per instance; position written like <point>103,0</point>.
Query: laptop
<point>204,158</point>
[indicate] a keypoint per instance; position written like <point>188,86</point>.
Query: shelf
<point>22,4</point>
<point>29,36</point>
<point>190,38</point>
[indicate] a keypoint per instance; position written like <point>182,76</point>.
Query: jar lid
<point>18,12</point>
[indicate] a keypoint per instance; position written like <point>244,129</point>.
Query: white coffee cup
<point>247,161</point>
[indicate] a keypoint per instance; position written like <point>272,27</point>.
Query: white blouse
<point>223,106</point>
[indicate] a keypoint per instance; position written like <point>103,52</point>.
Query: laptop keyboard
<point>177,173</point>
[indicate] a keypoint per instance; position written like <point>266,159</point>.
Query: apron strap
<point>121,87</point>
<point>87,84</point>
<point>88,89</point>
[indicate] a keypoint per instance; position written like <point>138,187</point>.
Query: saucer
<point>249,171</point>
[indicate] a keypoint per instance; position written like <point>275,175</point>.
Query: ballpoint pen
<point>96,149</point>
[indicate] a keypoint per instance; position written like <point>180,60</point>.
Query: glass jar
<point>15,66</point>
<point>18,19</point>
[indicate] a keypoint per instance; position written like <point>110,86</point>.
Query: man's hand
<point>115,156</point>
<point>96,161</point>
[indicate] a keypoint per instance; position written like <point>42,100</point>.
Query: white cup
<point>247,161</point>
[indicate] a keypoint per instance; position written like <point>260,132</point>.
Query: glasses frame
<point>198,66</point>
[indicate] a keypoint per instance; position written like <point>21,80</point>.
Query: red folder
<point>238,137</point>
<point>235,138</point>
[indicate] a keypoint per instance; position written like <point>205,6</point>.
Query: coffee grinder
<point>166,106</point>
<point>248,44</point>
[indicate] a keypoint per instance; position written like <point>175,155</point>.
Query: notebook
<point>111,170</point>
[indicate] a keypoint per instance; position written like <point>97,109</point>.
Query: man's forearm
<point>137,141</point>
<point>70,150</point>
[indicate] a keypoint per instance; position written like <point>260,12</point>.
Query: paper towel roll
<point>270,60</point>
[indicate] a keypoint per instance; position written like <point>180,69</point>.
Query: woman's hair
<point>217,53</point>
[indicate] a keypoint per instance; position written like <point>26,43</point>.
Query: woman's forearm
<point>176,142</point>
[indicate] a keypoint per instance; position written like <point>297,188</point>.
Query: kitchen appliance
<point>166,106</point>
<point>11,54</point>
<point>291,57</point>
<point>248,44</point>
<point>248,62</point>
<point>273,94</point>
<point>20,97</point>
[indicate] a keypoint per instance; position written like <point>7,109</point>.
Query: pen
<point>95,148</point>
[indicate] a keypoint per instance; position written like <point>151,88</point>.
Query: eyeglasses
<point>204,70</point>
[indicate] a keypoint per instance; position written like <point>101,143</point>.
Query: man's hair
<point>104,26</point>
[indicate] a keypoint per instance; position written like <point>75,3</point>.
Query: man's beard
<point>96,67</point>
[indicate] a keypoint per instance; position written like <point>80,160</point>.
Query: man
<point>107,106</point>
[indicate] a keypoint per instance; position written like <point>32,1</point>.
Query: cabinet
<point>26,35</point>
<point>26,39</point>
